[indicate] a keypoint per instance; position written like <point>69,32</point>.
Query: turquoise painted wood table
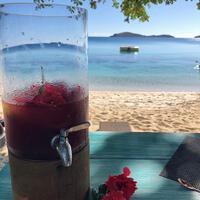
<point>145,153</point>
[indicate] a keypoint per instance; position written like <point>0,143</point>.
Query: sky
<point>181,19</point>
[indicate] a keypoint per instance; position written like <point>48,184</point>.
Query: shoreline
<point>150,90</point>
<point>145,91</point>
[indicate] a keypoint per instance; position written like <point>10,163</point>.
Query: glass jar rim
<point>69,14</point>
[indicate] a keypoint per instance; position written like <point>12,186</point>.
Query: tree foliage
<point>132,9</point>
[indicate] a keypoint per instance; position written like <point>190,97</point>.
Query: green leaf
<point>93,4</point>
<point>102,189</point>
<point>92,195</point>
<point>198,5</point>
<point>115,4</point>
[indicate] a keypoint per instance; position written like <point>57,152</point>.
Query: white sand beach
<point>147,111</point>
<point>144,111</point>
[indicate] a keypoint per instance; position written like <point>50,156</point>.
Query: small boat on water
<point>197,65</point>
<point>129,49</point>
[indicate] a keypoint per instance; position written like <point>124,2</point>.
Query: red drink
<point>35,115</point>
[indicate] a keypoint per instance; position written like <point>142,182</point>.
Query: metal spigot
<point>62,145</point>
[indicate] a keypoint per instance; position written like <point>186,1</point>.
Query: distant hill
<point>129,34</point>
<point>198,36</point>
<point>162,36</point>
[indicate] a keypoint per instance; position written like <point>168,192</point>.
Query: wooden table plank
<point>150,185</point>
<point>5,184</point>
<point>135,146</point>
<point>146,154</point>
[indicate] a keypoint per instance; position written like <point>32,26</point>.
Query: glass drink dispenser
<point>45,99</point>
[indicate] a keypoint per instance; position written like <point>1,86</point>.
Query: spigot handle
<point>79,127</point>
<point>62,145</point>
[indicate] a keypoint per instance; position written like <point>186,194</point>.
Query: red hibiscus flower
<point>122,183</point>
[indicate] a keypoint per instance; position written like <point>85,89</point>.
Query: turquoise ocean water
<point>163,64</point>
